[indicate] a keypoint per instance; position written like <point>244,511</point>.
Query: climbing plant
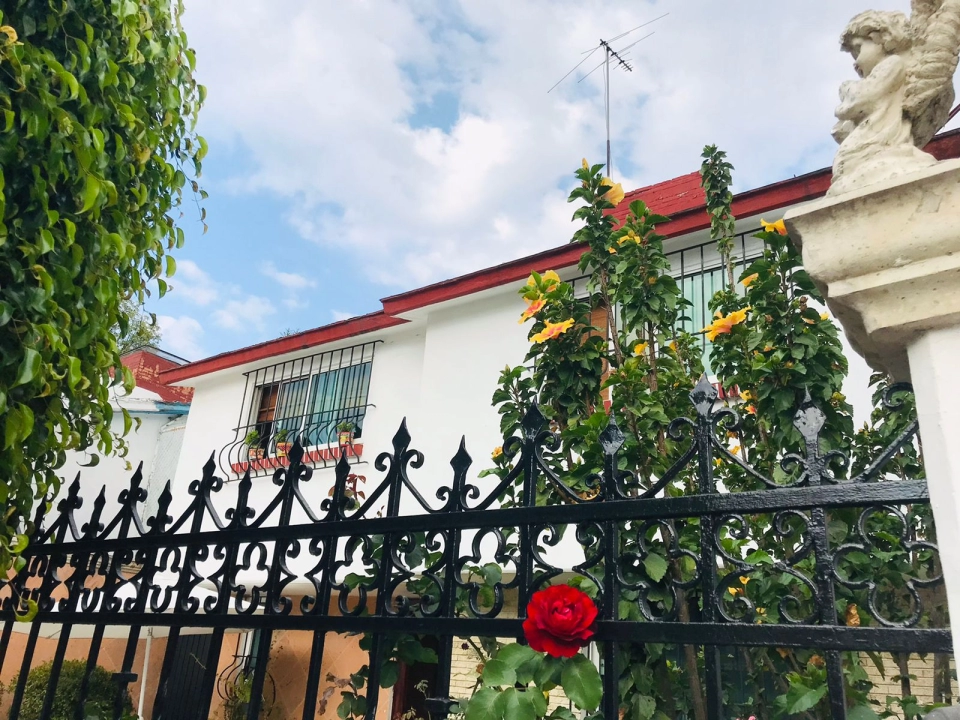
<point>97,109</point>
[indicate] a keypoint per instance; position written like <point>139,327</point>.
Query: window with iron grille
<point>311,399</point>
<point>699,273</point>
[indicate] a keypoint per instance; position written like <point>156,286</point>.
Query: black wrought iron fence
<point>117,572</point>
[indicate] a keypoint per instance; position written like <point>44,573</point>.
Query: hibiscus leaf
<point>581,682</point>
<point>655,566</point>
<point>480,706</point>
<point>808,700</point>
<point>497,672</point>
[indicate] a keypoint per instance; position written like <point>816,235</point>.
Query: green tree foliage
<point>97,109</point>
<point>101,692</point>
<point>141,328</point>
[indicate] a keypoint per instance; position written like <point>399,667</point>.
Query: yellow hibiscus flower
<point>724,324</point>
<point>615,193</point>
<point>749,279</point>
<point>746,395</point>
<point>533,308</point>
<point>497,452</point>
<point>552,330</point>
<point>584,164</point>
<point>550,278</point>
<point>777,227</point>
<point>639,348</point>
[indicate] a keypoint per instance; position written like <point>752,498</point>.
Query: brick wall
<point>921,682</point>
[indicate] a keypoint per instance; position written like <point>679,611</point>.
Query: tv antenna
<point>620,58</point>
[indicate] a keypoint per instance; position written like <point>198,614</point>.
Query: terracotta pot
<point>255,453</point>
<point>345,437</point>
<point>283,448</point>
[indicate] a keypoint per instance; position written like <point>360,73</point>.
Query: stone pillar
<point>887,260</point>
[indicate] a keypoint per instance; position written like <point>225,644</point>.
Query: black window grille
<point>320,401</point>
<point>699,272</point>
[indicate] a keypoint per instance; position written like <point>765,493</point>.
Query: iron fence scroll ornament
<point>371,566</point>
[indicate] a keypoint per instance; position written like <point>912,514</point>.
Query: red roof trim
<point>307,339</point>
<point>752,202</point>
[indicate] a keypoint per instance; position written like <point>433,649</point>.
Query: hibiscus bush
<point>772,347</point>
<point>617,344</point>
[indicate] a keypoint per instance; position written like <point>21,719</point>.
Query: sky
<point>362,148</point>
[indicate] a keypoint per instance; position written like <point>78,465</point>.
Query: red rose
<point>559,620</point>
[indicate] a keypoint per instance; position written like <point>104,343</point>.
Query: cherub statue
<point>904,95</point>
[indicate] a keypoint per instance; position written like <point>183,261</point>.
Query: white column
<point>887,259</point>
<point>934,361</point>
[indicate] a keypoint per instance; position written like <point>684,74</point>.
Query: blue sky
<point>363,148</point>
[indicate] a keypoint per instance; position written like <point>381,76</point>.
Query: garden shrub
<point>100,693</point>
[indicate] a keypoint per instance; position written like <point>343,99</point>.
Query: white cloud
<point>290,281</point>
<point>326,124</point>
<point>251,312</point>
<point>182,336</point>
<point>339,315</point>
<point>192,284</point>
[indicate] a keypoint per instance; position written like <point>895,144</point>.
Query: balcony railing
<point>263,447</point>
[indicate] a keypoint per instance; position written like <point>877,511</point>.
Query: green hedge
<point>100,692</point>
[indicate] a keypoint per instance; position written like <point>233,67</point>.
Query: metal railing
<point>260,448</point>
<point>410,555</point>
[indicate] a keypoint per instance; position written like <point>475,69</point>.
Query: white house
<point>432,355</point>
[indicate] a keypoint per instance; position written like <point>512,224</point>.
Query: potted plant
<point>252,441</point>
<point>283,445</point>
<point>345,432</point>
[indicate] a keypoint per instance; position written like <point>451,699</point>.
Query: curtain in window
<point>337,396</point>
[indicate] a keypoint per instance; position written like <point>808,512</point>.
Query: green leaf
<point>655,566</point>
<point>808,700</point>
<point>481,705</point>
<point>581,682</point>
<point>645,706</point>
<point>497,672</point>
<point>30,613</point>
<point>29,367</point>
<point>389,673</point>
<point>514,704</point>
<point>73,372</point>
<point>862,712</point>
<point>46,241</point>
<point>91,190</point>
<point>515,655</point>
<point>548,671</point>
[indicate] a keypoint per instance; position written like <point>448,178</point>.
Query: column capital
<point>887,260</point>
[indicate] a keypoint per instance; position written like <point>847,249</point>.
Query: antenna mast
<point>620,58</point>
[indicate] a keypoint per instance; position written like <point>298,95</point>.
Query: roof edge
<point>801,188</point>
<point>339,330</point>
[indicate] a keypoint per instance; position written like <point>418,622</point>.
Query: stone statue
<point>904,94</point>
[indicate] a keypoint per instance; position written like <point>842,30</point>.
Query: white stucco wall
<point>112,472</point>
